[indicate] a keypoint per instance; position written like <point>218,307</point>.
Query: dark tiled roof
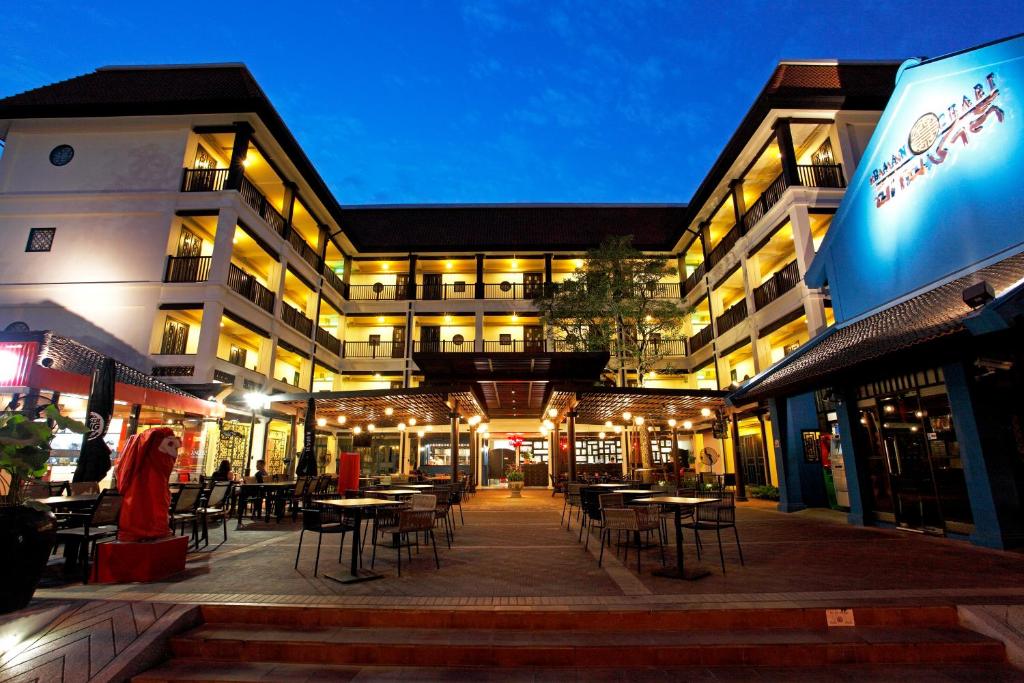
<point>470,227</point>
<point>937,313</point>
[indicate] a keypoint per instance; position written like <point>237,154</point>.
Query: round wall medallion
<point>923,133</point>
<point>506,286</point>
<point>61,155</point>
<point>458,340</point>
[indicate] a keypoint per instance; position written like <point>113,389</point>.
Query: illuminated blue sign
<point>940,187</point>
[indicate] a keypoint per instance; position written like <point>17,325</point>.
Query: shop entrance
<point>752,457</point>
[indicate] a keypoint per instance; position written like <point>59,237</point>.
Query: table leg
<point>680,571</point>
<point>240,504</point>
<point>355,574</point>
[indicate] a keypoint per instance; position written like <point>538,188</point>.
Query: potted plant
<point>27,529</point>
<point>514,475</point>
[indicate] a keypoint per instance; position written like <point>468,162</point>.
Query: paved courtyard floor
<point>514,552</point>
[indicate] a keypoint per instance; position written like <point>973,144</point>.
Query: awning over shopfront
<point>937,314</point>
<point>598,404</point>
<point>429,406</point>
<point>50,362</point>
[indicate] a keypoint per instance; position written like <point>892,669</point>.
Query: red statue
<point>142,474</point>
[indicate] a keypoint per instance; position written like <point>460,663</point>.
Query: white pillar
<point>223,245</point>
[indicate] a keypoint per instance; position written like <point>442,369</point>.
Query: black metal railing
<point>504,290</point>
<point>188,268</point>
<point>727,242</point>
<point>451,346</point>
<point>261,205</point>
<point>515,346</point>
<point>333,280</point>
<point>701,339</point>
<point>821,175</point>
<point>249,287</point>
<point>368,349</point>
<point>777,285</point>
<point>447,290</point>
<point>295,319</point>
<point>204,179</point>
<point>376,292</point>
<point>763,204</point>
<point>732,317</point>
<point>661,290</point>
<point>694,278</point>
<point>669,347</point>
<point>300,245</point>
<point>328,340</point>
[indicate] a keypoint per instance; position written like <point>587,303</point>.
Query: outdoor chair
<point>409,522</point>
<point>716,516</point>
<point>444,509</point>
<point>322,521</point>
<point>97,525</point>
<point>571,502</point>
<point>83,488</point>
<point>277,500</point>
<point>300,493</point>
<point>633,521</point>
<point>458,490</point>
<point>32,488</point>
<point>590,502</point>
<point>214,507</point>
<point>183,509</point>
<point>557,485</point>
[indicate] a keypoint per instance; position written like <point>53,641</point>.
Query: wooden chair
<point>97,525</point>
<point>322,521</point>
<point>83,488</point>
<point>410,522</point>
<point>214,507</point>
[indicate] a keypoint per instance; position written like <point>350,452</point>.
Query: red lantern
<point>516,440</point>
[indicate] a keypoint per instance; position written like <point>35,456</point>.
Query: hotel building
<point>166,216</point>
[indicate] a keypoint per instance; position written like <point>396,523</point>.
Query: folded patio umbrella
<point>94,458</point>
<point>306,467</point>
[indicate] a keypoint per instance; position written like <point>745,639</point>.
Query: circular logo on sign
<point>61,155</point>
<point>923,133</point>
<point>97,426</point>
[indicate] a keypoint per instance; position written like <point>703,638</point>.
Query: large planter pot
<point>515,489</point>
<point>26,538</point>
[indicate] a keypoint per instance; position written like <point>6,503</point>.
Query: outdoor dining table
<point>418,486</point>
<point>395,493</point>
<point>630,494</point>
<point>678,504</point>
<point>249,490</point>
<point>608,486</point>
<point>78,502</point>
<point>356,506</point>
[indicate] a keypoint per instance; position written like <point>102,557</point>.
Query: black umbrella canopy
<point>94,459</point>
<point>306,466</point>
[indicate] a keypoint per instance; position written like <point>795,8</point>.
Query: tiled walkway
<point>514,553</point>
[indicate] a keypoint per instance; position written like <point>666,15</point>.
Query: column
<point>814,306</point>
<point>239,150</point>
<point>571,445</point>
<point>801,484</point>
<point>704,237</point>
<point>209,338</point>
<point>858,483</point>
<point>288,202</point>
<point>454,417</point>
<point>223,246</point>
<point>675,454</point>
<point>474,453</point>
<point>346,273</point>
<point>739,205</point>
<point>548,276</point>
<point>737,462</point>
<point>478,331</point>
<point>555,454</point>
<point>410,289</point>
<point>478,287</point>
<point>624,446</point>
<point>787,155</point>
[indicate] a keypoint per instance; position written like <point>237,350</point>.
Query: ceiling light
<point>389,411</point>
<point>357,430</point>
<point>515,263</point>
<point>247,161</point>
<point>412,421</point>
<point>385,266</point>
<point>321,422</point>
<point>380,318</point>
<point>552,413</point>
<point>448,265</point>
<point>706,412</point>
<point>627,416</point>
<point>687,424</point>
<point>341,419</point>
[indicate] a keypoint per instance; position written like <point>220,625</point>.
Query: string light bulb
<point>371,427</point>
<point>639,421</point>
<point>389,411</point>
<point>342,419</point>
<point>321,422</point>
<point>627,416</point>
<point>357,430</point>
<point>617,429</point>
<point>401,426</point>
<point>687,424</point>
<point>672,423</point>
<point>552,413</point>
<point>601,435</point>
<point>412,421</point>
<point>706,412</point>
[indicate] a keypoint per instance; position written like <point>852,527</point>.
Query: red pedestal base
<point>126,562</point>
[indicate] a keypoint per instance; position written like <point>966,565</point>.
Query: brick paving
<point>514,553</point>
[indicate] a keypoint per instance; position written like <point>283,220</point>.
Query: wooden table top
<point>643,491</point>
<point>418,486</point>
<point>608,486</point>
<point>358,502</point>
<point>68,500</point>
<point>396,492</point>
<point>676,500</point>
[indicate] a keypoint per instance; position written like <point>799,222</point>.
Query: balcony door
<point>533,285</point>
<point>430,338</point>
<point>432,286</point>
<point>175,337</point>
<point>533,338</point>
<point>189,243</point>
<point>401,286</point>
<point>398,341</point>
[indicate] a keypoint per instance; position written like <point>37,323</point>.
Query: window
<point>175,337</point>
<point>40,239</point>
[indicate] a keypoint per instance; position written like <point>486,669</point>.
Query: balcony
<point>328,340</point>
<point>694,278</point>
<point>511,290</point>
<point>663,290</point>
<point>376,292</point>
<point>821,175</point>
<point>516,346</point>
<point>333,280</point>
<point>446,291</point>
<point>187,268</point>
<point>248,286</point>
<point>669,347</point>
<point>808,175</point>
<point>368,349</point>
<point>727,242</point>
<point>463,346</point>
<point>701,339</point>
<point>732,317</point>
<point>777,285</point>
<point>296,320</point>
<point>300,245</point>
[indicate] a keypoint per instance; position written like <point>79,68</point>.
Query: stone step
<point>536,619</point>
<point>427,647</point>
<point>204,671</point>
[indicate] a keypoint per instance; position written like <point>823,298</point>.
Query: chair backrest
<point>620,518</point>
<point>353,493</point>
<point>31,488</point>
<point>57,487</point>
<point>574,490</point>
<point>108,507</point>
<point>611,500</point>
<point>415,520</point>
<point>187,499</point>
<point>84,488</point>
<point>218,494</point>
<point>423,501</point>
<point>722,512</point>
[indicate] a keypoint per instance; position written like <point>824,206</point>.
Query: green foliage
<point>613,304</point>
<point>25,444</point>
<point>763,492</point>
<point>514,474</point>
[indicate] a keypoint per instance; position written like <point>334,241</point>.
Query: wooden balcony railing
<point>465,346</point>
<point>515,346</point>
<point>694,278</point>
<point>727,242</point>
<point>261,205</point>
<point>249,287</point>
<point>670,347</point>
<point>376,292</point>
<point>300,245</point>
<point>328,340</point>
<point>445,291</point>
<point>504,290</point>
<point>187,268</point>
<point>204,179</point>
<point>769,198</point>
<point>701,339</point>
<point>333,280</point>
<point>821,175</point>
<point>662,290</point>
<point>366,349</point>
<point>777,285</point>
<point>295,319</point>
<point>732,317</point>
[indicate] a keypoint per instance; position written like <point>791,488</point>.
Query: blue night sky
<point>496,100</point>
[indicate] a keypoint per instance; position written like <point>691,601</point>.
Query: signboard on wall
<point>938,188</point>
